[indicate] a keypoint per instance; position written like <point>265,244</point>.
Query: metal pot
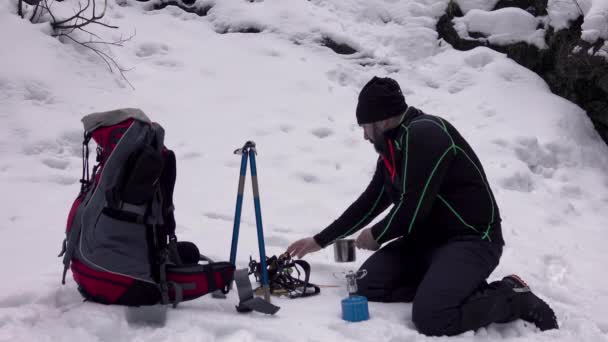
<point>344,250</point>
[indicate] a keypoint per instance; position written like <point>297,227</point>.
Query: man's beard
<point>379,141</point>
<point>381,146</point>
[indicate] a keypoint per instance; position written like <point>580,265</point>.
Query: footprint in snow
<point>489,113</point>
<point>519,181</point>
<point>17,300</point>
<point>276,241</point>
<point>407,91</point>
<point>500,142</point>
<point>69,143</point>
<point>168,63</point>
<point>190,155</point>
<point>322,132</point>
<point>232,163</point>
<point>55,163</point>
<point>510,75</point>
<point>272,53</point>
<point>543,160</point>
<point>63,180</point>
<point>60,298</point>
<point>556,268</point>
<point>282,230</point>
<point>262,132</point>
<point>286,128</point>
<point>151,49</point>
<point>571,191</point>
<point>486,110</point>
<point>460,82</point>
<point>217,216</point>
<point>479,59</point>
<point>37,92</point>
<point>342,76</point>
<point>235,334</point>
<point>432,84</point>
<point>119,15</point>
<point>306,149</point>
<point>308,178</point>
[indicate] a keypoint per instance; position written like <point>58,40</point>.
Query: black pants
<point>446,283</point>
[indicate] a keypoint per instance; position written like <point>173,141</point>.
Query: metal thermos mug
<point>344,250</point>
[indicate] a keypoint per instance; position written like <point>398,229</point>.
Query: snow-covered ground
<point>296,99</point>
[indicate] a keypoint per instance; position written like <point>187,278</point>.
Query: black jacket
<point>434,181</point>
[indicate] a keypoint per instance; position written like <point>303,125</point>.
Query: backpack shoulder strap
<point>167,183</point>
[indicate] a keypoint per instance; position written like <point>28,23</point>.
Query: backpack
<point>120,240</point>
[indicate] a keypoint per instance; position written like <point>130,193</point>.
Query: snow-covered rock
<point>502,27</point>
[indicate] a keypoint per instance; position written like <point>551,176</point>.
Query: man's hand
<point>302,247</point>
<point>366,240</point>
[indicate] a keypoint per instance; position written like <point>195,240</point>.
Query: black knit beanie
<point>380,99</point>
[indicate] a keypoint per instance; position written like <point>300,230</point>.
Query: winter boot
<point>532,308</point>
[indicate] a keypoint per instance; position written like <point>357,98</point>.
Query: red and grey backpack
<point>120,237</point>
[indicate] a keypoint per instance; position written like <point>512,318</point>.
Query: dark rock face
<point>339,48</point>
<point>186,5</point>
<point>534,7</point>
<point>566,65</point>
<point>225,30</point>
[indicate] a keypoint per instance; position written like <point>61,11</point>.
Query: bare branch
<point>76,15</point>
<point>104,24</point>
<point>20,8</point>
<point>86,14</point>
<point>85,22</point>
<point>119,42</point>
<point>108,60</point>
<point>579,7</point>
<point>90,33</point>
<point>35,12</point>
<point>48,9</point>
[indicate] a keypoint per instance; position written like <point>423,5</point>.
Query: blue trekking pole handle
<point>239,204</point>
<point>258,221</point>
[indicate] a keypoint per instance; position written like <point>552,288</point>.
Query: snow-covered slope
<point>296,99</point>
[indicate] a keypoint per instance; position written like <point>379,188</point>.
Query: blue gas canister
<point>355,309</point>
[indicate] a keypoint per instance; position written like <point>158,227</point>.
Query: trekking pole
<point>258,221</point>
<point>239,202</point>
<point>247,301</point>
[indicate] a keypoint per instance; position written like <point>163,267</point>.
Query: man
<point>444,220</point>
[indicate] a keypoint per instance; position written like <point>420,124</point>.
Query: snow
<point>502,27</point>
<point>560,15</point>
<point>212,92</point>
<point>595,13</point>
<point>595,25</point>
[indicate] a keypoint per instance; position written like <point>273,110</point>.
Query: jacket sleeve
<point>428,152</point>
<point>370,204</point>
